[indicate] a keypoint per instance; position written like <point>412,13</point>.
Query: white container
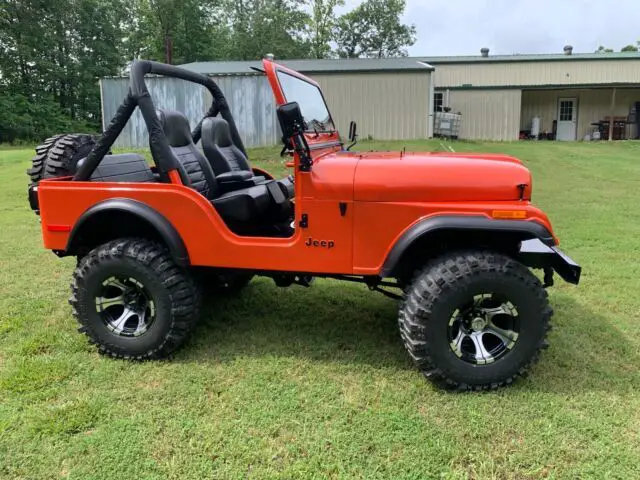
<point>535,127</point>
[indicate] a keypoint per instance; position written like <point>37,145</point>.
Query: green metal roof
<point>316,66</point>
<point>543,57</point>
<point>396,64</point>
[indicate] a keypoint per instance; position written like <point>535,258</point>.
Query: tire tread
<point>185,296</point>
<point>443,274</point>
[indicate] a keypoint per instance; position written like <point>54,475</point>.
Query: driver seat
<point>228,161</point>
<point>219,149</point>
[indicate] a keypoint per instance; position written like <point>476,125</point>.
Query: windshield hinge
<point>304,221</point>
<point>343,208</point>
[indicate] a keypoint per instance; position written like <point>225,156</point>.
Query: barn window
<point>438,102</point>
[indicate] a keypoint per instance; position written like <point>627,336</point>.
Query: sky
<point>462,27</point>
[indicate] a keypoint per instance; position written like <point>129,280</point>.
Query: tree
<point>630,48</point>
<point>321,26</point>
<point>602,49</point>
<point>374,29</point>
<point>267,26</point>
<point>53,54</point>
<point>179,31</point>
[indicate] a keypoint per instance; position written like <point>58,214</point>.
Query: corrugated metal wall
<point>249,97</point>
<point>487,114</point>
<point>537,73</point>
<point>386,106</point>
<point>593,105</point>
<point>169,93</point>
<point>253,107</point>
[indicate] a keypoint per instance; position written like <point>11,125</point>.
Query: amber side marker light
<point>509,214</point>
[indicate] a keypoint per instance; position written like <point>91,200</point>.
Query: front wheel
<point>133,301</point>
<point>474,320</point>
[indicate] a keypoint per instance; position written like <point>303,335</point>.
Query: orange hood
<point>439,177</point>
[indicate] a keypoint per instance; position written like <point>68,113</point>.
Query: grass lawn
<point>314,383</point>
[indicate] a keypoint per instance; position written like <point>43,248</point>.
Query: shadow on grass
<point>345,323</point>
<point>331,321</point>
<point>588,352</point>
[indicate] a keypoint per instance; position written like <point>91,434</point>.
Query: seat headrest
<point>176,127</point>
<point>216,130</point>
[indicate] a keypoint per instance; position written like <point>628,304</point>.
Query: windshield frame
<point>311,82</point>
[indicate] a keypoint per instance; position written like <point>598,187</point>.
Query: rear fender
<point>142,213</point>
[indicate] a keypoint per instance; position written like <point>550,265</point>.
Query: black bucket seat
<point>228,162</point>
<point>247,205</point>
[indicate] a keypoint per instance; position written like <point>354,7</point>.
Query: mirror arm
<point>302,149</point>
<point>353,143</point>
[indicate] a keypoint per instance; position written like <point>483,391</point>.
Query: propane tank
<point>535,127</point>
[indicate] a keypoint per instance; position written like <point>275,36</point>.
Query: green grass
<point>314,383</point>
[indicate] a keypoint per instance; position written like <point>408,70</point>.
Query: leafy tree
<point>53,54</point>
<point>630,48</point>
<point>267,26</point>
<point>179,31</point>
<point>374,29</point>
<point>602,49</point>
<point>321,26</point>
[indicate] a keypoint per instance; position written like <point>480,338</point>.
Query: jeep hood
<point>439,177</point>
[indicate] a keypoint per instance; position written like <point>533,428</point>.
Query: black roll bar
<point>138,96</point>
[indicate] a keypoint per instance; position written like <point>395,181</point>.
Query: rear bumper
<point>536,254</point>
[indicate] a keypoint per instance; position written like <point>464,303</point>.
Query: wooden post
<point>613,107</point>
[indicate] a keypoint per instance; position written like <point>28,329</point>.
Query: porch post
<point>613,107</point>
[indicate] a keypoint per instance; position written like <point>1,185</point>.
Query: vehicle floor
<point>314,383</point>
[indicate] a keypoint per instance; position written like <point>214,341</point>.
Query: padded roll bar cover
<point>158,142</point>
<point>102,146</point>
<point>220,105</point>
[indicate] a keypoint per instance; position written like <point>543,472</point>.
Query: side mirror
<point>291,119</point>
<point>293,126</point>
<point>353,134</point>
<point>353,131</point>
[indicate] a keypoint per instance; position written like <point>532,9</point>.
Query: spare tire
<point>59,155</point>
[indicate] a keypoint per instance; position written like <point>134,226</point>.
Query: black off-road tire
<point>59,155</point>
<point>439,289</point>
<point>174,293</point>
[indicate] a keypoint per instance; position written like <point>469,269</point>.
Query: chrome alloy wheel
<point>484,330</point>
<point>125,306</point>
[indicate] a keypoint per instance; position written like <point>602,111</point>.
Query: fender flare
<point>523,230</point>
<point>162,226</point>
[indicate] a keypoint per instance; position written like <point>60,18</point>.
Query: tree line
<point>627,48</point>
<point>52,52</point>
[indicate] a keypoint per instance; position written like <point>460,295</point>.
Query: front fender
<point>518,230</point>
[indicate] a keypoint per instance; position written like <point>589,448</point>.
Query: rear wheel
<point>133,301</point>
<point>474,320</point>
<point>59,155</point>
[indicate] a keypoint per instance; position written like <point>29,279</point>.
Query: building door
<point>567,119</point>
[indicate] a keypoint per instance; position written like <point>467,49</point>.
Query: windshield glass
<point>309,97</point>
